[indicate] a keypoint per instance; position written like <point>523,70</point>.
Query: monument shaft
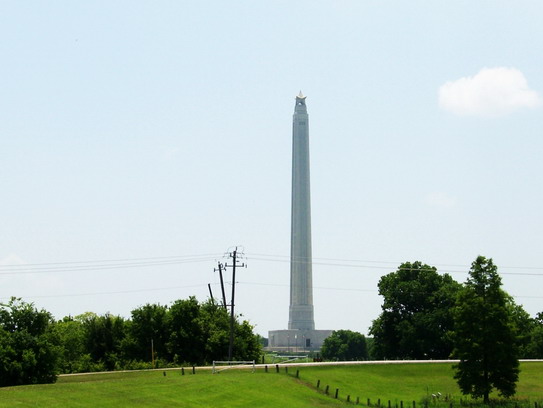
<point>301,281</point>
<point>301,333</point>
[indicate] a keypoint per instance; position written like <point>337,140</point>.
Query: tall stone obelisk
<point>301,335</point>
<point>301,282</point>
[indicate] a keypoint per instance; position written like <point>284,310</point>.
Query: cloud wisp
<point>440,199</point>
<point>491,92</point>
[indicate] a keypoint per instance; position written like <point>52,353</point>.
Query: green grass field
<point>237,388</point>
<point>409,382</point>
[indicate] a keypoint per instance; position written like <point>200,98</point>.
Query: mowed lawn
<point>235,388</point>
<point>408,382</point>
<point>153,389</point>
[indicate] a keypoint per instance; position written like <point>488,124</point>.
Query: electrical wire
<point>124,263</point>
<point>77,266</point>
<point>345,265</point>
<point>202,285</point>
<point>393,262</point>
<point>74,266</point>
<point>117,292</point>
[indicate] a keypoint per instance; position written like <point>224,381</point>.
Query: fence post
<point>277,367</point>
<point>369,403</point>
<point>337,392</point>
<point>297,373</point>
<point>326,391</point>
<point>164,373</point>
<point>182,370</point>
<point>357,400</point>
<point>388,403</point>
<point>266,368</point>
<point>379,402</point>
<point>286,369</point>
<point>414,404</point>
<point>348,398</point>
<point>318,383</point>
<point>401,404</point>
<point>193,370</point>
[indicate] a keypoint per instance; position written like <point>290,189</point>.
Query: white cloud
<point>11,259</point>
<point>491,92</point>
<point>169,153</point>
<point>440,200</point>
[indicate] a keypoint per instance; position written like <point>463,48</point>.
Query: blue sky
<point>136,130</point>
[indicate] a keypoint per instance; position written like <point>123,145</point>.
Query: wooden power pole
<point>234,255</point>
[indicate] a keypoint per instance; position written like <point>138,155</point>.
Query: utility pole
<point>152,353</point>
<point>211,294</point>
<point>234,256</point>
<point>221,266</point>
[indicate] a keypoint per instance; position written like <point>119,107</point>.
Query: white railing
<point>232,364</point>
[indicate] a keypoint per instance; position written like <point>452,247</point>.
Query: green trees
<point>69,337</point>
<point>34,348</point>
<point>27,354</point>
<point>534,349</point>
<point>530,333</point>
<point>200,334</point>
<point>344,345</point>
<point>148,324</point>
<point>186,332</point>
<point>416,314</point>
<point>484,335</point>
<point>103,340</point>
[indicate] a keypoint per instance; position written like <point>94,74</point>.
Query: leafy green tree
<point>215,323</point>
<point>484,335</point>
<point>103,339</point>
<point>69,337</point>
<point>149,323</point>
<point>416,313</point>
<point>27,353</point>
<point>345,345</point>
<point>247,345</point>
<point>199,334</point>
<point>186,340</point>
<point>524,326</point>
<point>534,348</point>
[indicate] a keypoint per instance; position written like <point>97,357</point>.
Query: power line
<point>122,263</point>
<point>117,292</point>
<point>201,285</point>
<point>287,257</point>
<point>110,260</point>
<point>391,268</point>
<point>362,290</point>
<point>102,265</point>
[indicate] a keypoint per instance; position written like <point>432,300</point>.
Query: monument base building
<point>297,340</point>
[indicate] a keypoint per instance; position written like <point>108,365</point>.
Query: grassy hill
<point>236,388</point>
<point>409,382</point>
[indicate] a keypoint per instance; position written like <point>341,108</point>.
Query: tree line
<point>423,313</point>
<point>426,315</point>
<point>34,347</point>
